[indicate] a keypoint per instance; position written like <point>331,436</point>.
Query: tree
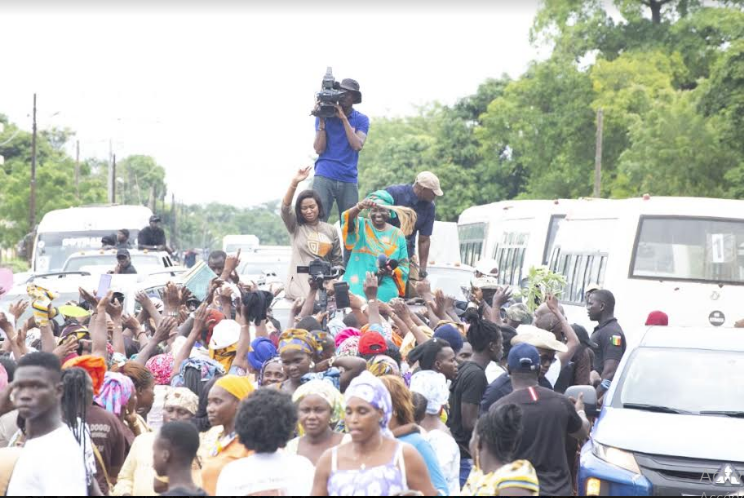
<point>144,180</point>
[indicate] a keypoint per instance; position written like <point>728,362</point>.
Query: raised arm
<point>114,310</point>
<point>572,342</point>
<point>98,330</point>
<point>199,324</point>
<point>356,138</point>
<point>301,175</point>
<point>161,335</point>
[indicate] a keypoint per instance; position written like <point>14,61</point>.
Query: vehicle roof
<point>90,253</point>
<point>709,338</point>
<point>664,206</point>
<point>100,217</point>
<point>527,208</point>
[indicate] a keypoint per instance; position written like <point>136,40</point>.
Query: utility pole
<point>598,156</point>
<point>113,179</point>
<point>32,194</point>
<point>77,168</point>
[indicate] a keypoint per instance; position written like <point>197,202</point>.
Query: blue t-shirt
<point>339,161</point>
<point>403,195</point>
<point>430,458</point>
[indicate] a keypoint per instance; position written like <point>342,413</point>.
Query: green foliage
<point>541,283</point>
<point>15,265</point>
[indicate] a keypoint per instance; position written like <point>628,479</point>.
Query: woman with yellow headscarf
<point>220,445</point>
<point>374,244</point>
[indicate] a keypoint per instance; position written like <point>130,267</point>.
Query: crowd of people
<point>382,397</point>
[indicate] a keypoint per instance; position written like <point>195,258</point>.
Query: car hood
<point>686,436</point>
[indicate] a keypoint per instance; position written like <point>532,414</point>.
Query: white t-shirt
<point>273,474</point>
<point>448,454</point>
<point>51,465</point>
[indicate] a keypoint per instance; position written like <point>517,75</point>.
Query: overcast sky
<point>221,96</point>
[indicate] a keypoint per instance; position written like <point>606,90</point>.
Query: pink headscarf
<point>3,378</point>
<point>346,334</point>
<point>161,367</point>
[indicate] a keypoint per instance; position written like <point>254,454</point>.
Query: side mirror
<point>590,398</point>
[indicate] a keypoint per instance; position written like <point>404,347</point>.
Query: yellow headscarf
<point>298,340</point>
<point>240,387</point>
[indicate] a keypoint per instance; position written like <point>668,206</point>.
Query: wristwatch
<point>423,274</point>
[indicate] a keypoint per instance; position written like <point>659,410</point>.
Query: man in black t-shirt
<point>548,419</point>
<point>153,236</point>
<point>608,337</point>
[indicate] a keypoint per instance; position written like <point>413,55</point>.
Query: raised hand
<point>501,297</point>
<point>301,175</point>
<point>130,322</point>
<point>370,286</point>
<point>114,309</point>
<point>17,309</point>
<point>88,297</point>
<point>163,332</point>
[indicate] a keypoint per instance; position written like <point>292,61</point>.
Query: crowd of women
<point>219,398</point>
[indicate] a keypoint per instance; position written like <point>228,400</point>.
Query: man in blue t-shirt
<point>419,197</point>
<point>338,141</point>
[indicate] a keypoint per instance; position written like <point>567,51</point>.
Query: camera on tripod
<point>329,96</point>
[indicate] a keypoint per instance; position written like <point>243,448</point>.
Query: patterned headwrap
<point>326,391</point>
<point>350,347</point>
<point>370,389</point>
<point>272,361</point>
<point>208,368</point>
<point>331,376</point>
<point>94,365</point>
<point>383,199</point>
<point>116,391</point>
<point>298,340</point>
<point>161,367</point>
<point>321,336</point>
<point>238,386</point>
<point>262,351</point>
<point>182,397</point>
<point>432,386</point>
<point>345,334</point>
<point>383,365</point>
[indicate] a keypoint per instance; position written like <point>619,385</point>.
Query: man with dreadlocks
<point>52,463</point>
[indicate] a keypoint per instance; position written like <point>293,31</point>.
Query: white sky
<point>221,96</point>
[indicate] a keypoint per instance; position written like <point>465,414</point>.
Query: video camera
<point>329,96</point>
<point>321,271</point>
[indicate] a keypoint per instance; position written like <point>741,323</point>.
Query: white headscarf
<point>432,386</point>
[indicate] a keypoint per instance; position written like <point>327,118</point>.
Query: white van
<point>682,256</point>
<point>64,232</point>
<point>517,234</point>
<point>245,243</point>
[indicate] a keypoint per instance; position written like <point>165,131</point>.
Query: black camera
<point>320,271</point>
<point>330,94</point>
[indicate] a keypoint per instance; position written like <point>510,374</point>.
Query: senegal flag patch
<point>616,340</point>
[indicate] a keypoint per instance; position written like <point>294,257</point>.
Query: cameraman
<point>338,141</point>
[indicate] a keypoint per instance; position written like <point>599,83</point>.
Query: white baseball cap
<point>226,333</point>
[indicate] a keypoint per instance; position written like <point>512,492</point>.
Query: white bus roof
<point>664,206</point>
<point>95,218</point>
<point>516,209</point>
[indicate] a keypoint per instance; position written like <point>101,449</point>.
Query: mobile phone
<point>341,292</point>
<point>104,285</point>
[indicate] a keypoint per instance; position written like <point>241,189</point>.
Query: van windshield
<point>53,249</point>
<point>695,249</point>
<point>684,380</point>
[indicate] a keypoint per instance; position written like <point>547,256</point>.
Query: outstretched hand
<point>370,286</point>
<point>301,175</point>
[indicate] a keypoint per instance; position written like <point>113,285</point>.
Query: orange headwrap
<point>94,365</point>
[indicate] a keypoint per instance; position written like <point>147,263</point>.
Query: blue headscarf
<point>451,334</point>
<point>262,350</point>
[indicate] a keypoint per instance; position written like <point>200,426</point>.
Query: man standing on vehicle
<point>419,197</point>
<point>338,141</point>
<point>609,338</point>
<point>124,266</point>
<point>122,239</point>
<point>152,237</point>
<point>548,419</point>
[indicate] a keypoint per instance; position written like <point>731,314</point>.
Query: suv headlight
<point>616,457</point>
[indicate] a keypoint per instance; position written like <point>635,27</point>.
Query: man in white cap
<point>419,197</point>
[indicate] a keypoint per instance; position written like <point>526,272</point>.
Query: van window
<point>510,256</point>
<point>555,224</point>
<point>694,249</point>
<point>581,270</point>
<point>472,238</point>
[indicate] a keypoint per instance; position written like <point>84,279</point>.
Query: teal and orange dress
<point>366,243</point>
